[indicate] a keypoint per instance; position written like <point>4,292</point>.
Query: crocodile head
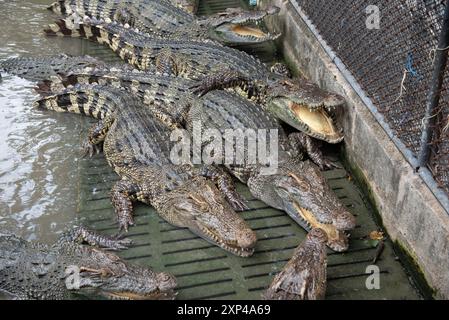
<point>299,189</point>
<point>236,26</point>
<point>199,206</point>
<point>306,107</point>
<point>304,276</point>
<point>104,274</point>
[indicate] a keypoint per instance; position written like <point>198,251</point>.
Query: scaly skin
<point>304,276</point>
<point>296,187</point>
<point>137,147</point>
<point>295,101</point>
<point>35,271</point>
<point>161,18</point>
<point>41,68</point>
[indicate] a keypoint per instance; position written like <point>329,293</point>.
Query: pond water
<point>38,149</point>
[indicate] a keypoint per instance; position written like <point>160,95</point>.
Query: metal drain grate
<point>207,272</point>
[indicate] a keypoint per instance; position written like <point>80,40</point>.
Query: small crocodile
<point>232,27</point>
<point>304,105</point>
<point>296,187</point>
<point>41,68</point>
<point>68,269</point>
<point>304,276</point>
<point>137,147</point>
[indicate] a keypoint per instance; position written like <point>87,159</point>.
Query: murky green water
<point>38,150</point>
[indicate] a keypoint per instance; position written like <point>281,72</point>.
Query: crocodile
<point>41,68</point>
<point>232,27</point>
<point>137,147</point>
<point>30,270</point>
<point>303,105</point>
<point>304,275</point>
<point>297,187</point>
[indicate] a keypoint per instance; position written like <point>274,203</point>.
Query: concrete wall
<point>409,210</point>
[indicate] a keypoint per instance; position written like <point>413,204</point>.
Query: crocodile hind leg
<point>122,194</point>
<point>312,147</point>
<point>226,186</point>
<point>97,133</point>
<point>84,235</point>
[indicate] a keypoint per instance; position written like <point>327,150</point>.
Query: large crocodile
<point>232,27</point>
<point>137,147</point>
<point>68,269</point>
<point>304,275</point>
<point>296,187</point>
<point>304,106</point>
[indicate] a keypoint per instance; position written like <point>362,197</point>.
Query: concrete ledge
<point>410,212</point>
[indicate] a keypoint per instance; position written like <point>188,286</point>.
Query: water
<point>39,150</point>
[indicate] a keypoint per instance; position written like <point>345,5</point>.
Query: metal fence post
<point>433,97</point>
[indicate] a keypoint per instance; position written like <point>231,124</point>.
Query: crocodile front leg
<point>226,186</point>
<point>97,133</point>
<point>224,80</point>
<point>82,234</point>
<point>312,147</point>
<point>122,194</point>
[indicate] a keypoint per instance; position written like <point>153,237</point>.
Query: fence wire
<point>393,64</point>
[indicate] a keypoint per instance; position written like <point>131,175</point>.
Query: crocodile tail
<point>61,7</point>
<point>70,28</point>
<point>96,101</point>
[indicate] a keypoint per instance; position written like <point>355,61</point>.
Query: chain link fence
<point>389,46</point>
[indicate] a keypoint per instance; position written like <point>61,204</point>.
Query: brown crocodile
<point>304,275</point>
<point>232,27</point>
<point>296,187</point>
<point>137,147</point>
<point>70,269</point>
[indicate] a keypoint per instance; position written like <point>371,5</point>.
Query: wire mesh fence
<point>392,61</point>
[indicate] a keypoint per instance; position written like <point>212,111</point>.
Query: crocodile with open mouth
<point>296,187</point>
<point>69,269</point>
<point>304,275</point>
<point>137,147</point>
<point>295,101</point>
<point>232,27</point>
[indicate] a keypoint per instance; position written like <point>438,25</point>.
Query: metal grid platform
<point>205,271</point>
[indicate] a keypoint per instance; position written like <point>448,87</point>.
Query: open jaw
<point>316,122</point>
<point>237,33</point>
<point>337,239</point>
<point>245,27</point>
<point>230,246</point>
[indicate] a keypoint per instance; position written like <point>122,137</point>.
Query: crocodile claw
<point>201,89</point>
<point>125,222</point>
<point>119,243</point>
<point>90,149</point>
<point>238,204</point>
<point>328,164</point>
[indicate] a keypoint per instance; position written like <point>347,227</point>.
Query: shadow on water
<point>38,149</point>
